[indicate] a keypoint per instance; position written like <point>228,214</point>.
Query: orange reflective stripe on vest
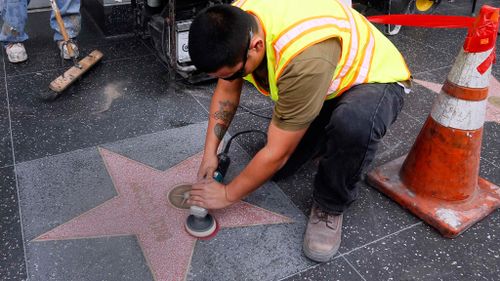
<point>294,32</point>
<point>351,52</point>
<point>362,71</point>
<point>291,26</point>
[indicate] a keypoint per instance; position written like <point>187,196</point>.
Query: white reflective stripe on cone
<point>458,114</point>
<point>464,71</point>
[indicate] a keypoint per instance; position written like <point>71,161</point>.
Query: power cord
<point>228,144</point>
<point>223,157</point>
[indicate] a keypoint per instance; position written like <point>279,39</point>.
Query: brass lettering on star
<point>157,224</point>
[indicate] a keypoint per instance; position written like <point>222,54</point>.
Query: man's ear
<point>259,45</point>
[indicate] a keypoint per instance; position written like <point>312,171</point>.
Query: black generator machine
<point>167,23</point>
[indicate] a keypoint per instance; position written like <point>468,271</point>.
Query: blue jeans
<point>15,13</point>
<point>346,134</point>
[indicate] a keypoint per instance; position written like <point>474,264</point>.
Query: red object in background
<point>431,21</point>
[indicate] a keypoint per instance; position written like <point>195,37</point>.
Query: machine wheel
<point>408,7</point>
<point>423,6</point>
<point>391,29</point>
<point>396,7</point>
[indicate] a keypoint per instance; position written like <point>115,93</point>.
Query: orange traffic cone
<point>438,180</point>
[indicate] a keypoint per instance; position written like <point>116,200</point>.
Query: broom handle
<point>62,29</point>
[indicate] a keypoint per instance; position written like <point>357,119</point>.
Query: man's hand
<point>207,167</point>
<point>209,194</point>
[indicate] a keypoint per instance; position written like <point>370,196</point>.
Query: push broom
<point>79,68</point>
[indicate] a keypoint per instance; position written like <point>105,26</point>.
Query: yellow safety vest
<point>290,26</point>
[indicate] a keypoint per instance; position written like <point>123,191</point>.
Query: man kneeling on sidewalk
<point>337,84</point>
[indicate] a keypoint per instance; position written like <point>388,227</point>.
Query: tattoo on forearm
<point>220,130</point>
<point>226,111</point>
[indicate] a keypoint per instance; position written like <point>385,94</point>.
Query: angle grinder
<point>200,223</point>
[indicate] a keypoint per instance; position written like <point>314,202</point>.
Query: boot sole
<point>17,60</point>
<point>318,256</point>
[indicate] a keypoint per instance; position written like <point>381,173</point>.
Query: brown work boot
<point>323,234</point>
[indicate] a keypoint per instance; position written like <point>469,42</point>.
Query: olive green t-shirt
<point>304,84</point>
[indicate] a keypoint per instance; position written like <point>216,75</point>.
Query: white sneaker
<point>65,52</point>
<point>16,52</point>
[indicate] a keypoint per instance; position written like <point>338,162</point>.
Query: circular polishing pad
<point>201,227</point>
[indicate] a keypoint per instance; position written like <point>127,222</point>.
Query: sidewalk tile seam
<point>15,170</point>
<point>431,70</point>
<point>92,45</point>
<point>128,58</point>
<point>110,40</point>
<point>7,166</point>
<point>246,109</point>
<point>380,239</point>
<point>301,271</point>
<point>206,110</point>
<point>411,116</point>
<point>155,53</point>
<point>273,183</point>
<point>66,67</point>
<point>98,145</point>
<point>490,162</point>
<point>352,266</point>
<point>427,45</point>
<point>432,47</point>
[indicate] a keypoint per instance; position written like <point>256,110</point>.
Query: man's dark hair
<point>218,37</point>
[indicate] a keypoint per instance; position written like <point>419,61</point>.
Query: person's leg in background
<point>14,15</point>
<point>70,12</point>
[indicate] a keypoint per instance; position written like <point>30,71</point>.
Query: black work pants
<point>346,133</point>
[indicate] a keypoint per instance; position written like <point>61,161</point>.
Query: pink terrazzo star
<point>141,208</point>
<point>493,106</point>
